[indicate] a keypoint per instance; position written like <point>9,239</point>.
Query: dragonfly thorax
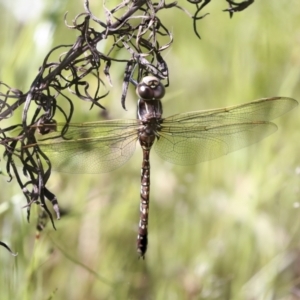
<point>149,109</point>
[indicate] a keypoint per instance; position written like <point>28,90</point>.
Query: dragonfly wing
<point>199,136</point>
<point>94,129</point>
<point>209,142</point>
<point>91,147</point>
<point>265,109</point>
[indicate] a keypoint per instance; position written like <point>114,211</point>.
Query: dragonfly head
<point>150,88</point>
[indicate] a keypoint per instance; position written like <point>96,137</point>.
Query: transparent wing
<point>199,136</point>
<point>94,147</point>
<point>265,109</point>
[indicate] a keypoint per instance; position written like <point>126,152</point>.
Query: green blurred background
<point>225,229</point>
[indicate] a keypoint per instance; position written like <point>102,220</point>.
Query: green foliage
<point>225,229</point>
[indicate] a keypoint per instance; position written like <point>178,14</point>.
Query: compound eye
<point>145,92</point>
<point>159,91</point>
<point>150,88</point>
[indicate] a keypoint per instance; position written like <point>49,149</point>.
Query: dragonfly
<point>184,139</point>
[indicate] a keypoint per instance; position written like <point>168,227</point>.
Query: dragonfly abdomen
<point>142,238</point>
